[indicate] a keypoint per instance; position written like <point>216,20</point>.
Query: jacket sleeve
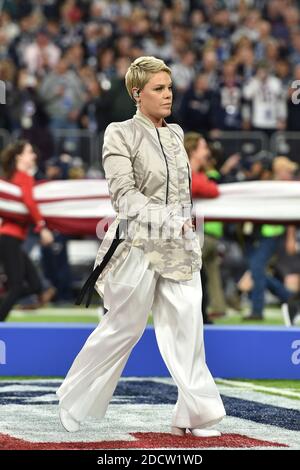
<point>125,196</point>
<point>203,187</point>
<point>26,184</point>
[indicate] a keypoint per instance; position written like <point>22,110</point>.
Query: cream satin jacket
<point>149,178</point>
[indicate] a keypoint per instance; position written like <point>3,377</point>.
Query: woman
<point>18,161</point>
<point>147,265</point>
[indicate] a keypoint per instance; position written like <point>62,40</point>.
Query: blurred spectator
<point>289,260</point>
<point>22,40</point>
<point>63,97</point>
<point>249,27</point>
<point>9,28</point>
<point>197,110</point>
<point>210,67</point>
<point>41,55</point>
<point>183,73</point>
<point>288,264</point>
<point>120,106</point>
<point>295,49</point>
<point>106,66</point>
<point>7,75</point>
<point>18,161</point>
<point>198,153</point>
<point>245,60</point>
<point>192,37</point>
<point>29,116</point>
<point>261,249</point>
<point>283,72</point>
<point>268,105</point>
<point>94,113</point>
<point>55,262</point>
<point>74,56</point>
<point>201,29</point>
<point>264,33</point>
<point>293,108</point>
<point>260,167</point>
<point>229,100</point>
<point>56,268</point>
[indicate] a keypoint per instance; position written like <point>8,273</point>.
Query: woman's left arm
<point>26,184</point>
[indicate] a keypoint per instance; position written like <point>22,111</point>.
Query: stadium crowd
<point>233,64</point>
<point>233,61</point>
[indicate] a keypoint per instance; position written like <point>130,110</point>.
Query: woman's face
<point>201,153</point>
<point>155,99</point>
<point>26,160</point>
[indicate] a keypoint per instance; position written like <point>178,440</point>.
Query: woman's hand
<point>46,237</point>
<point>291,242</point>
<point>188,231</point>
<point>230,164</point>
<point>291,247</point>
<point>187,226</point>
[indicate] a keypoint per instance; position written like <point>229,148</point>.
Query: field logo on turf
<point>2,352</point>
<point>296,354</point>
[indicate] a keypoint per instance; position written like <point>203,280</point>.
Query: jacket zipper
<point>167,192</point>
<point>190,184</point>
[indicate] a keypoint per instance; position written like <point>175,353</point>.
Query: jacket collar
<point>145,120</point>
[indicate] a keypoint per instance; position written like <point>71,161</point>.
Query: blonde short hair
<point>284,163</point>
<point>141,70</point>
<point>191,140</point>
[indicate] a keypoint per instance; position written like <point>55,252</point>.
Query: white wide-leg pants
<point>130,293</point>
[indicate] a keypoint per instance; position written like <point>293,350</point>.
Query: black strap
<point>89,284</point>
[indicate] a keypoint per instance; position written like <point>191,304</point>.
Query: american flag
<point>77,206</point>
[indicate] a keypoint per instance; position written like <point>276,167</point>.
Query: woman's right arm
<point>126,198</point>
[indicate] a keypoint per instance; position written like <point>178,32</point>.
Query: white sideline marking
<point>260,388</point>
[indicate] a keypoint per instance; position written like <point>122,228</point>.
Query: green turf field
<point>71,314</point>
<point>285,384</point>
<point>287,388</point>
<point>68,314</point>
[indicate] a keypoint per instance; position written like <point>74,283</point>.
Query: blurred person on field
<point>18,161</point>
<point>262,247</point>
<point>55,260</point>
<point>202,187</point>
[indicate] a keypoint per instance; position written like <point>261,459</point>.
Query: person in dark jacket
<point>197,106</point>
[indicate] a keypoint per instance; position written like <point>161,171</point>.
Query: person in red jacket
<point>18,161</point>
<point>198,153</point>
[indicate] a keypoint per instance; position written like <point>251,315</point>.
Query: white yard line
<point>260,388</point>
